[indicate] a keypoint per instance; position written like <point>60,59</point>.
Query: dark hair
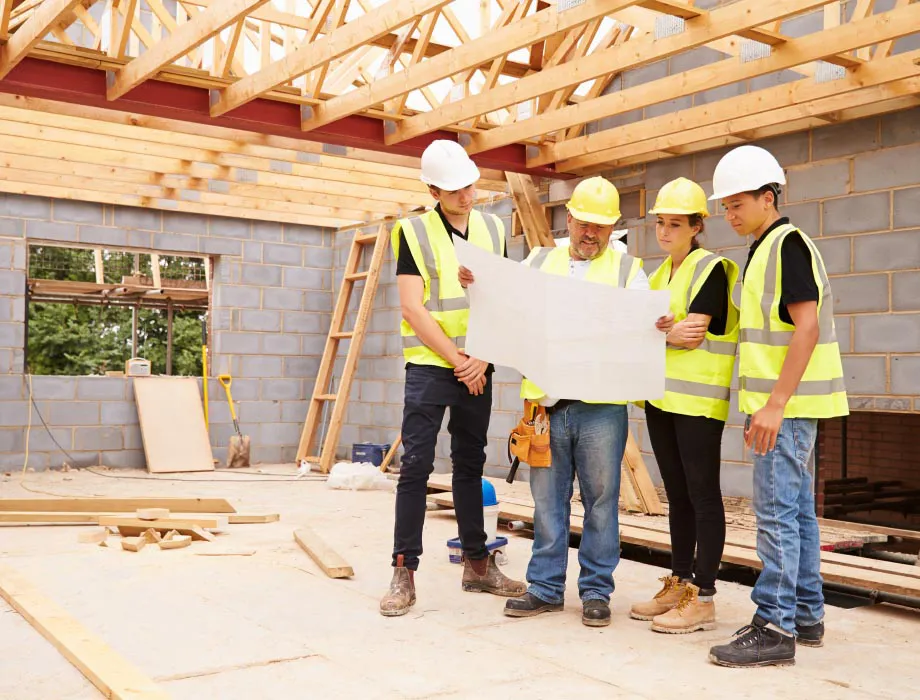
<point>696,220</point>
<point>757,194</point>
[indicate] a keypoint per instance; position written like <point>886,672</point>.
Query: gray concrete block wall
<point>271,303</point>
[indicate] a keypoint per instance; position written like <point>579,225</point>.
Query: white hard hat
<point>745,169</point>
<point>447,166</point>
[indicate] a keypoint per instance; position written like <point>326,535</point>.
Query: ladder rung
<point>358,275</point>
<point>366,238</point>
<point>312,459</point>
<point>325,397</point>
<point>343,334</point>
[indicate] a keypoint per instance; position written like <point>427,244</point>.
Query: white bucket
<point>490,521</point>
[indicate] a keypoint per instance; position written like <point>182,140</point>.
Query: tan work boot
<point>689,615</point>
<point>401,595</point>
<point>664,600</point>
<point>484,576</point>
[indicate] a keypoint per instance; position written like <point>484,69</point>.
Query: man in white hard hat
<point>790,375</point>
<point>439,374</point>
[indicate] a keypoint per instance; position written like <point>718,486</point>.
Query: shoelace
<point>667,585</point>
<point>685,599</point>
<point>748,635</point>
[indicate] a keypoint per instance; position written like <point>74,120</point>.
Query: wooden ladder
<point>337,333</point>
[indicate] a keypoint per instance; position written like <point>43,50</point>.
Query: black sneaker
<point>755,645</point>
<point>529,605</point>
<point>595,613</point>
<point>810,635</point>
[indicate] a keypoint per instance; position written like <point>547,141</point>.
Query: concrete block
<point>120,412</point>
<point>12,461</point>
<point>732,444</point>
<point>803,24</point>
<point>890,167</point>
<point>818,181</point>
<point>101,388</point>
<point>857,214</point>
<point>237,343</point>
<point>266,231</point>
<point>125,459</point>
<point>501,424</point>
<point>284,299</point>
<point>59,439</point>
<point>280,254</point>
<point>253,412</point>
<point>845,139</point>
<point>807,216</point>
<point>103,235</point>
<point>260,366</point>
<point>313,344</point>
<point>279,344</point>
<point>506,375</point>
<point>282,390</point>
<point>843,326</point>
<point>317,301</point>
<point>25,206</point>
<point>261,275</point>
<point>181,222</point>
<point>887,333</point>
<point>307,278</point>
<point>395,392</point>
<point>789,149</point>
<point>718,234</point>
<point>12,335</point>
<point>508,397</point>
<point>77,211</point>
<point>281,434</point>
<point>137,217</point>
<point>317,257</point>
<point>139,239</point>
<point>645,74</point>
<point>660,172</point>
<point>13,228</point>
<point>865,375</point>
<point>861,403</point>
<point>372,391</point>
<point>905,295</point>
<point>260,320</point>
<point>108,438</point>
<point>12,282</point>
<point>737,479</point>
<point>886,251</point>
<point>237,297</point>
<point>13,387</point>
<point>182,243</point>
<point>857,293</point>
<point>223,227</point>
<point>888,404</point>
<point>764,82</point>
<point>266,454</point>
<point>252,252</point>
<point>220,246</point>
<point>294,411</point>
<point>12,440</point>
<point>669,107</point>
<point>133,438</point>
<point>54,388</point>
<point>74,413</point>
<point>907,207</point>
<point>694,58</point>
<point>303,235</point>
<point>305,322</point>
<point>51,231</point>
<point>905,374</point>
<point>901,128</point>
<point>305,367</point>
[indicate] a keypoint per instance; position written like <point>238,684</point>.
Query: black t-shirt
<point>798,279</point>
<point>712,300</point>
<point>405,265</point>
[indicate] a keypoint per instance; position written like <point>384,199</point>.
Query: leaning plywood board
<point>112,674</point>
<point>327,558</point>
<point>172,425</point>
<point>117,505</point>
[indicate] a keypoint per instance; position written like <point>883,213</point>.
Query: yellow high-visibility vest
<point>698,381</point>
<point>433,252</point>
<point>764,337</point>
<point>614,268</point>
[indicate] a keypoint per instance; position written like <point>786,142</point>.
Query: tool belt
<point>529,441</point>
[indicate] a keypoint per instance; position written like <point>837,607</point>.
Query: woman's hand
<point>688,333</point>
<point>465,276</point>
<point>665,323</point>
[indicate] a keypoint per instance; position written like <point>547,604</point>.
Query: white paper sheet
<point>574,339</point>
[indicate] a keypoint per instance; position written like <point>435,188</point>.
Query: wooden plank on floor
<point>118,505</point>
<point>246,519</point>
<point>111,673</point>
<point>79,518</point>
<point>330,561</point>
<point>215,521</point>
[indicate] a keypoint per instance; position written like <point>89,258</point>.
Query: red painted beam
<point>86,86</point>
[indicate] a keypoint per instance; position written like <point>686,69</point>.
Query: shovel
<point>238,453</point>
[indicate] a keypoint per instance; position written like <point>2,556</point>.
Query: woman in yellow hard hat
<point>685,426</point>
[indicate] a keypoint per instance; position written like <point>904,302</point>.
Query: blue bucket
<point>372,452</point>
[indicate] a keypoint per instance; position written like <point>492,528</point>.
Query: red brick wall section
<point>880,447</point>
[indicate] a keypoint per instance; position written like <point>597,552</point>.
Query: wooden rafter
<point>227,55</point>
<point>561,97</point>
<point>185,38</point>
<point>307,57</point>
<point>6,9</point>
<point>46,16</point>
<point>872,30</point>
<point>426,29</point>
<point>337,19</point>
<point>120,29</point>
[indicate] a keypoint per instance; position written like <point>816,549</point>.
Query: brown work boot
<point>689,615</point>
<point>664,600</point>
<point>401,595</point>
<point>484,576</point>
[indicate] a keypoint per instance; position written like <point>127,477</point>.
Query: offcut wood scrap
<point>173,540</point>
<point>330,561</point>
<point>152,513</point>
<point>97,537</point>
<point>133,544</point>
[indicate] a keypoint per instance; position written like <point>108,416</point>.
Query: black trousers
<point>429,392</point>
<point>688,450</point>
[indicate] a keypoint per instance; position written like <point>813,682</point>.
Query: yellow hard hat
<point>681,196</point>
<point>596,201</point>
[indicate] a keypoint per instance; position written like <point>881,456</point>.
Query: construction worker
<point>685,426</point>
<point>439,374</point>
<point>587,439</point>
<point>790,375</point>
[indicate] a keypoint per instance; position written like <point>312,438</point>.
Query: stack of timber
<point>515,503</point>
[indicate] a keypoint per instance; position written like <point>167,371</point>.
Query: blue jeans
<point>789,589</point>
<point>587,440</point>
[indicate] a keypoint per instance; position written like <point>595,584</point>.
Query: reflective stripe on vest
<point>764,338</point>
<point>698,381</point>
<point>444,298</point>
<point>613,268</point>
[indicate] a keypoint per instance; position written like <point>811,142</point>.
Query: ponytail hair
<point>696,220</point>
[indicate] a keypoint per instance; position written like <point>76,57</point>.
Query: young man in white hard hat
<point>587,439</point>
<point>439,374</point>
<point>790,376</point>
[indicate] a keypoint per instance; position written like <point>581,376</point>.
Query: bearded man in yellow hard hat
<point>587,439</point>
